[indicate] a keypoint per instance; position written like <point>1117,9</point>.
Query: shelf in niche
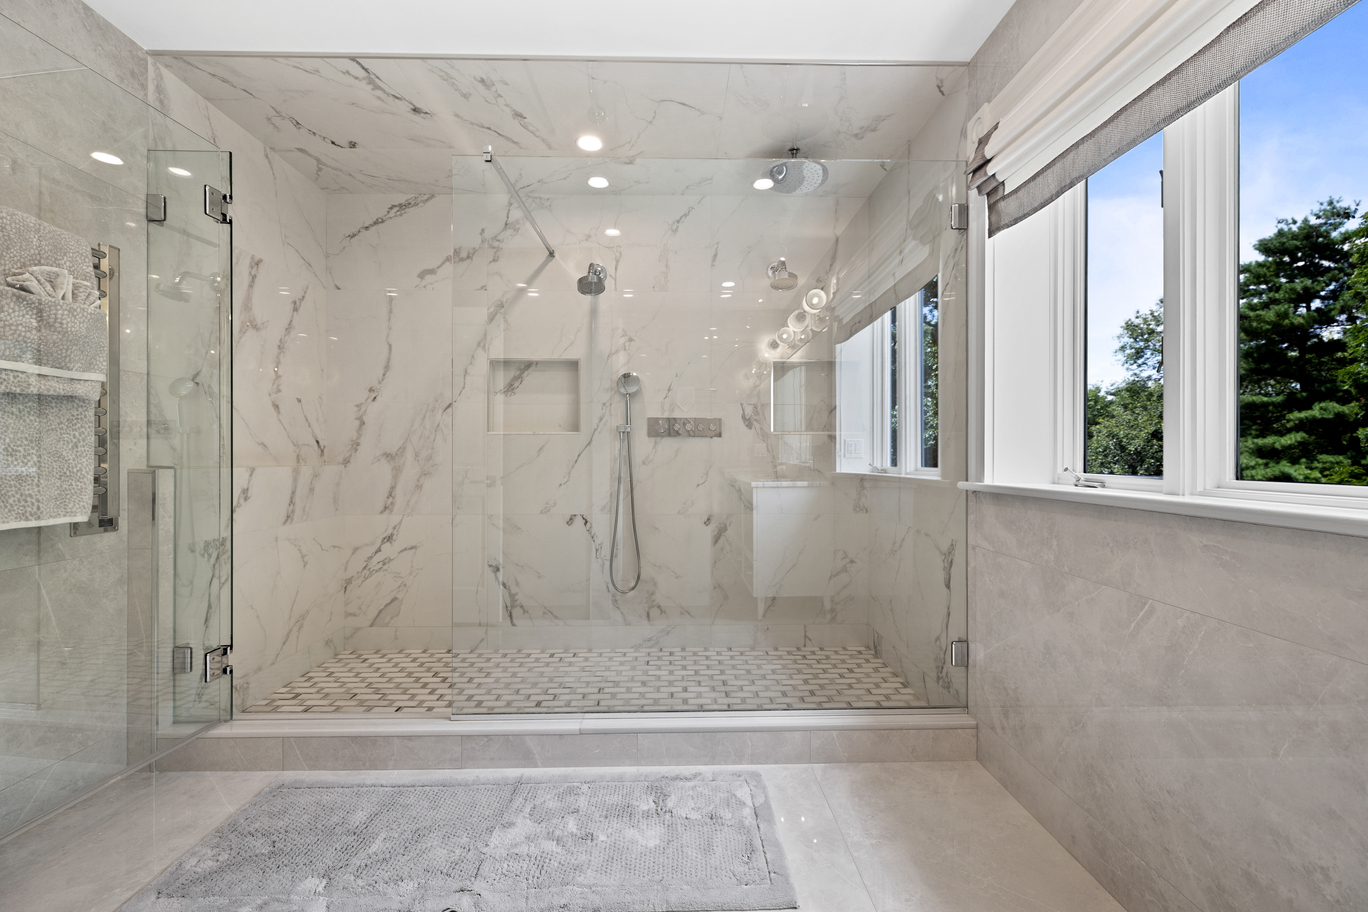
<point>534,396</point>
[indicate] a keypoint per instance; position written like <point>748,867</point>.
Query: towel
<point>54,353</point>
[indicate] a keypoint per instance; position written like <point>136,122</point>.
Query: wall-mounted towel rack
<point>104,507</point>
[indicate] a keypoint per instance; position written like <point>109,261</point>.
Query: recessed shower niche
<point>534,396</point>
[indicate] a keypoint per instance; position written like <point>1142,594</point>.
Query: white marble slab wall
<point>1180,701</point>
<point>389,414</point>
<point>289,555</point>
<point>506,533</point>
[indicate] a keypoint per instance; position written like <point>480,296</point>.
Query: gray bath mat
<point>605,842</point>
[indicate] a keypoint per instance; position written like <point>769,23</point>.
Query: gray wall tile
<point>893,746</point>
<point>225,754</point>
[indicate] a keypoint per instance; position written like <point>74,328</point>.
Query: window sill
<point>889,476</point>
<point>1312,517</point>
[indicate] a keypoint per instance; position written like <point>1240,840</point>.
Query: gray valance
<point>1258,36</point>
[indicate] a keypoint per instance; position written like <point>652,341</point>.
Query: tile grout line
<point>817,777</point>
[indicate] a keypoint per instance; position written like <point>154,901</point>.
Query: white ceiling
<point>790,30</point>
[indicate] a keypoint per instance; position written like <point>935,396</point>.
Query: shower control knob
<point>712,425</point>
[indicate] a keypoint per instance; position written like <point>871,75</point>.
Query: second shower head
<point>594,281</point>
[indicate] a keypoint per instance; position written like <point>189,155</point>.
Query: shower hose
<point>624,455</point>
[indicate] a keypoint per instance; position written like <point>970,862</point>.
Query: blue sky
<point>1303,138</point>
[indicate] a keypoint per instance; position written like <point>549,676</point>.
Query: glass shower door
<point>189,257</point>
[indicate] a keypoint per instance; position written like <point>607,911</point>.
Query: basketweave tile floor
<point>604,680</point>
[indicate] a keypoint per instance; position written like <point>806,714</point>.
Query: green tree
<point>1125,423</point>
<point>1354,374</point>
<point>1301,356</point>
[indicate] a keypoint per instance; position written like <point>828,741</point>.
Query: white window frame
<point>910,360</point>
<point>1201,313</point>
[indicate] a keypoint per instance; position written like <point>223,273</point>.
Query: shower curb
<point>626,740</point>
<point>273,725</point>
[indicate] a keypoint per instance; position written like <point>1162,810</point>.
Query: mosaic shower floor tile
<point>598,680</point>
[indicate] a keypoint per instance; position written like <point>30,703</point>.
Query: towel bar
<point>104,490</point>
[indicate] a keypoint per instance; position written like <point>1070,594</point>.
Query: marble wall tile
<point>389,399</point>
<point>87,36</point>
<point>1123,874</point>
<point>336,114</point>
<point>82,631</point>
<point>1307,587</point>
<point>279,353</point>
<point>288,592</point>
<point>236,754</point>
<point>268,497</point>
<point>893,746</point>
<point>722,748</point>
<point>531,751</point>
<point>19,635</point>
<point>1179,733</point>
<point>398,571</point>
<point>427,752</point>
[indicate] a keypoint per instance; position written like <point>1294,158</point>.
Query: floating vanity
<point>785,535</point>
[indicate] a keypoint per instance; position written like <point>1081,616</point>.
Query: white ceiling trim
<point>845,31</point>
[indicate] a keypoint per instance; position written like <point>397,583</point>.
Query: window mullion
<point>1200,289</point>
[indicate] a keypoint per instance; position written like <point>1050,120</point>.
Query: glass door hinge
<point>218,205</point>
<point>216,663</point>
<point>959,654</point>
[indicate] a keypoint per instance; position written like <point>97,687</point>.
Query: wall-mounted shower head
<point>182,387</point>
<point>780,277</point>
<point>594,281</point>
<point>797,175</point>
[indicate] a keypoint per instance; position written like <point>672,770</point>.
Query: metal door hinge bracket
<point>218,205</point>
<point>216,663</point>
<point>959,216</point>
<point>959,654</point>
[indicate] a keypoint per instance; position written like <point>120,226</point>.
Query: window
<point>888,390</point>
<point>1303,275</point>
<point>1203,332</point>
<point>1124,318</point>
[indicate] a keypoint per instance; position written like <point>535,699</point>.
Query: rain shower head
<point>593,282</point>
<point>780,277</point>
<point>798,175</point>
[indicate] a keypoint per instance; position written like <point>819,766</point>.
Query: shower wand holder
<point>683,427</point>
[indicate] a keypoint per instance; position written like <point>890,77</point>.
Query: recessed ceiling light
<point>763,183</point>
<point>611,232</point>
<point>180,172</point>
<point>589,143</point>
<point>106,158</point>
<point>728,284</point>
<point>522,284</point>
<point>726,296</point>
<point>626,296</point>
<point>598,183</point>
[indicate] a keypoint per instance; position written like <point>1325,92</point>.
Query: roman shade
<point>1116,73</point>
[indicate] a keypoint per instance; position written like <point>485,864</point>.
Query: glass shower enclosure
<point>104,623</point>
<point>763,563</point>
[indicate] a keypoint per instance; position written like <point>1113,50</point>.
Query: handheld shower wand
<point>627,384</point>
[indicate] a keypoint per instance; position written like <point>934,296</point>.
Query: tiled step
<point>269,742</point>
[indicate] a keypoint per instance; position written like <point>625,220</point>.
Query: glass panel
<point>80,664</point>
<point>1303,346</point>
<point>745,541</point>
<point>189,274</point>
<point>928,300</point>
<point>1124,395</point>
